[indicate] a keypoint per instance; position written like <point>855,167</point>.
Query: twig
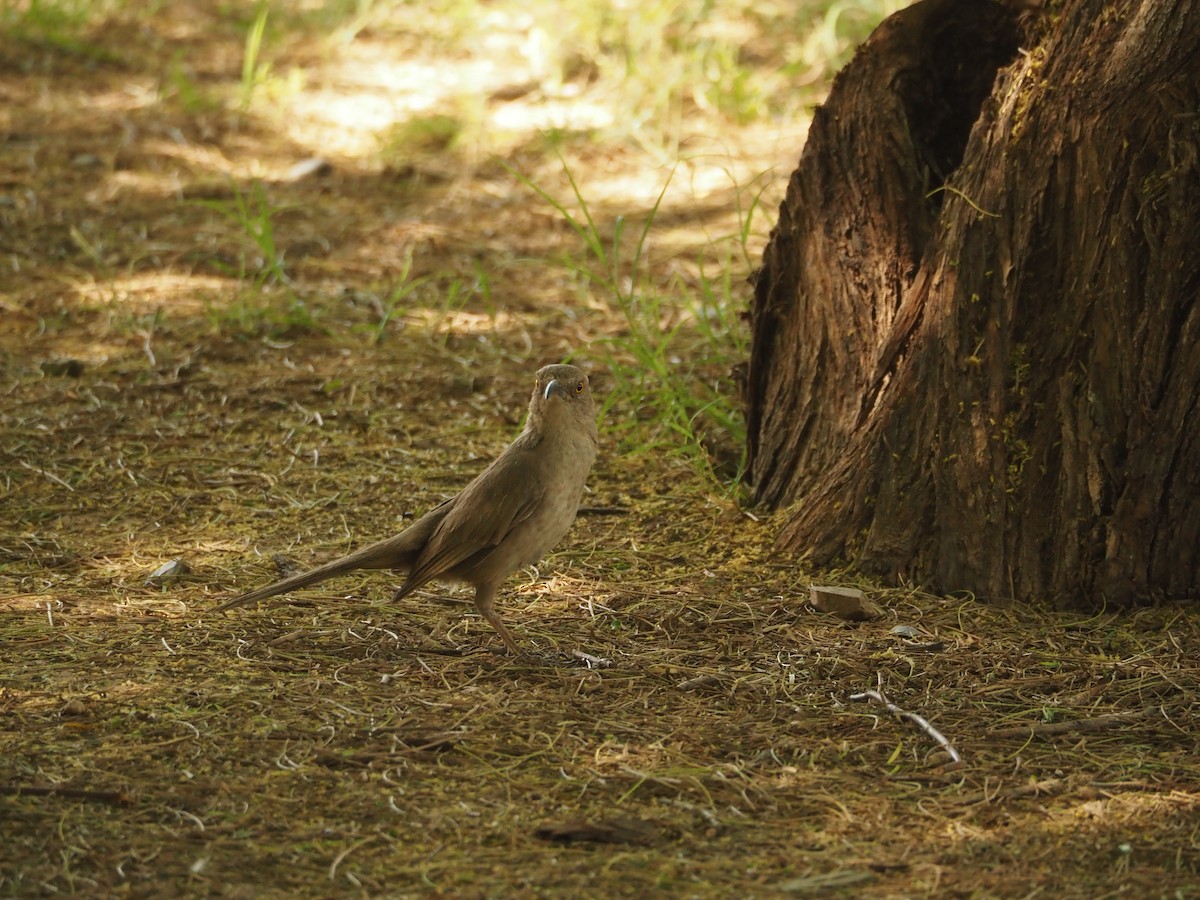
<point>919,721</point>
<point>147,349</point>
<point>971,203</point>
<point>191,817</point>
<point>120,798</point>
<point>49,475</point>
<point>603,511</point>
<point>1098,723</point>
<point>592,662</point>
<point>333,867</point>
<point>1045,787</point>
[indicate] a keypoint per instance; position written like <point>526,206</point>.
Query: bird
<point>508,517</point>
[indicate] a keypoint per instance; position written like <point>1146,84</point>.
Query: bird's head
<point>561,392</point>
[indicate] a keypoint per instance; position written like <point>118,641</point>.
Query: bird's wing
<point>504,495</point>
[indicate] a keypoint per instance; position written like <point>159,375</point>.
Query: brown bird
<point>510,516</point>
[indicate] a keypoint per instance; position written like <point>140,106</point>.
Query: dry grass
<point>705,742</point>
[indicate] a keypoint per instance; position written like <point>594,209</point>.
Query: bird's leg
<point>485,596</point>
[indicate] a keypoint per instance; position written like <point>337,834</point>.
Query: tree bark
<point>993,387</point>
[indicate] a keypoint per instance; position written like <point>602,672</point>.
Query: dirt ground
<point>682,724</point>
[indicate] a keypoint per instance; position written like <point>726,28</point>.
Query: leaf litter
<point>684,721</point>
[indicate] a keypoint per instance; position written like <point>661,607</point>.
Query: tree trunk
<point>992,386</point>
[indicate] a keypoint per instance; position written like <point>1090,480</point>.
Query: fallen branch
<point>1098,723</point>
<point>919,721</point>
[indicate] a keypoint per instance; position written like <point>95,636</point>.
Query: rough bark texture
<point>994,388</point>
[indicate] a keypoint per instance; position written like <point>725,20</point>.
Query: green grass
<point>254,72</point>
<point>61,25</point>
<point>440,134</point>
<point>56,18</point>
<point>260,271</point>
<point>191,97</point>
<point>253,214</point>
<point>403,288</point>
<point>671,360</point>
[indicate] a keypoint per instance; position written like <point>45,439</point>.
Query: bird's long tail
<point>398,552</point>
<point>304,579</point>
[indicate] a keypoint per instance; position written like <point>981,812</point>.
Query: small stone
<point>850,604</point>
<point>286,566</point>
<point>168,572</point>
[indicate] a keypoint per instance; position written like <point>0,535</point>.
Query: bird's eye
<point>579,388</point>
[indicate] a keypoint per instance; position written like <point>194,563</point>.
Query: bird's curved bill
<point>554,388</point>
